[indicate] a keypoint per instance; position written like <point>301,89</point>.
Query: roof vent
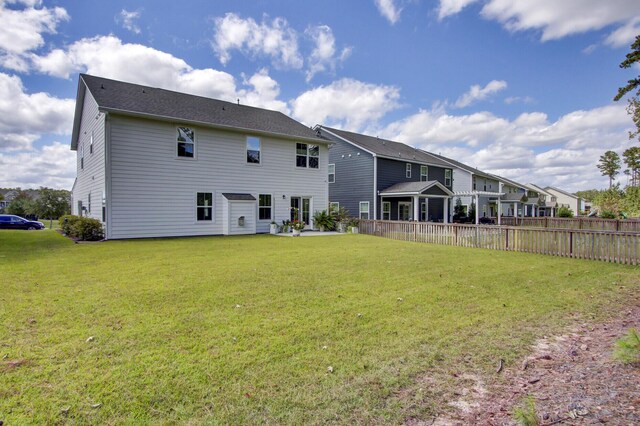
<point>102,86</point>
<point>143,91</point>
<point>223,108</point>
<point>238,101</point>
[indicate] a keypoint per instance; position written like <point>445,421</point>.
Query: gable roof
<point>568,194</point>
<point>386,148</point>
<point>144,101</point>
<point>539,189</point>
<point>463,166</point>
<point>416,188</point>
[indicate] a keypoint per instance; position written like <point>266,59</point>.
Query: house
<point>519,200</point>
<point>476,188</point>
<point>7,197</point>
<point>548,203</point>
<point>566,199</point>
<point>376,178</point>
<point>157,163</point>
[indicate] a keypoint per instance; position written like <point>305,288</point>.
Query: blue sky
<point>522,88</point>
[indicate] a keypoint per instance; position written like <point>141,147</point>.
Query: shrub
<point>607,214</point>
<point>565,212</point>
<point>628,348</point>
<point>323,220</point>
<point>82,228</point>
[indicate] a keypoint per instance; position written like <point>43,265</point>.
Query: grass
<point>243,329</point>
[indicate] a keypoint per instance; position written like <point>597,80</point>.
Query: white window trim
<point>448,178</point>
<point>91,143</point>
<point>336,203</point>
<point>195,143</point>
<point>246,152</point>
<point>404,203</point>
<point>424,175</point>
<point>388,212</point>
<point>360,211</point>
<point>329,173</point>
<point>272,209</point>
<point>408,171</point>
<point>213,204</point>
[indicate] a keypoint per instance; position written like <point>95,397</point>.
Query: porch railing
<point>608,246</point>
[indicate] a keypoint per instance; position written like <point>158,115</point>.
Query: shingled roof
<point>465,167</point>
<point>134,99</point>
<point>387,148</point>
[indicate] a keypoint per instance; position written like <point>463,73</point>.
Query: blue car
<point>9,221</point>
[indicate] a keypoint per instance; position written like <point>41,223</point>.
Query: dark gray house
<point>380,179</point>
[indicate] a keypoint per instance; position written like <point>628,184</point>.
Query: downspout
<point>375,187</point>
<point>107,173</point>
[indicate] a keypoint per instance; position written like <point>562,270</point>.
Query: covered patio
<point>493,198</point>
<point>426,201</point>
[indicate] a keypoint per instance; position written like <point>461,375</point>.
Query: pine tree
<point>609,165</point>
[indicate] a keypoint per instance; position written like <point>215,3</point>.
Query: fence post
<point>507,239</point>
<point>617,224</point>
<point>455,234</point>
<point>415,231</point>
<point>570,244</point>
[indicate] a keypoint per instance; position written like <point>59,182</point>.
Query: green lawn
<point>243,329</point>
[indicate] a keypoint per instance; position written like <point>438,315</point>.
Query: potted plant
<point>323,220</point>
<point>286,224</point>
<point>273,227</point>
<point>341,219</point>
<point>353,225</point>
<point>297,226</point>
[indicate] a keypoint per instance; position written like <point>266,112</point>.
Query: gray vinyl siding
<point>391,172</point>
<point>153,192</point>
<point>354,176</point>
<point>91,178</point>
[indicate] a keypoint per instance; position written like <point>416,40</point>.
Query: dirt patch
<point>572,378</point>
<point>10,365</point>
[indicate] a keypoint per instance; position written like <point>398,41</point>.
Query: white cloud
<point>107,56</point>
<point>22,28</point>
<point>323,57</point>
<point>345,103</point>
<point>529,148</point>
<point>477,93</point>
<point>52,166</point>
<point>518,99</point>
<point>557,19</point>
<point>275,39</point>
<point>452,7</point>
<point>25,117</point>
<point>128,20</point>
<point>389,10</point>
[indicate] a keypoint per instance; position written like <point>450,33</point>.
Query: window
<point>89,203</point>
<point>447,177</point>
<point>386,210</point>
<point>91,144</point>
<point>424,173</point>
<point>104,206</point>
<point>474,183</point>
<point>81,157</point>
<point>485,185</point>
<point>204,206</point>
<point>253,150</point>
<point>332,173</point>
<point>186,143</point>
<point>307,155</point>
<point>264,207</point>
<point>334,206</point>
<point>364,210</point>
<point>408,173</point>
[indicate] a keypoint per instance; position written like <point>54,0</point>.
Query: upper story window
<point>186,142</point>
<point>91,144</point>
<point>204,206</point>
<point>264,206</point>
<point>408,171</point>
<point>447,177</point>
<point>253,150</point>
<point>424,173</point>
<point>307,155</point>
<point>332,173</point>
<point>485,185</point>
<point>553,198</point>
<point>474,183</point>
<point>81,157</point>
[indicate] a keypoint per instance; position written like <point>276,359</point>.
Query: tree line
<point>45,203</point>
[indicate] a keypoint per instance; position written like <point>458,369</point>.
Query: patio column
<point>445,219</point>
<point>477,209</point>
<point>499,209</point>
<point>416,208</point>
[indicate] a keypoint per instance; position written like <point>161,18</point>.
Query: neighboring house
<point>7,198</point>
<point>474,187</point>
<point>380,179</point>
<point>155,163</point>
<point>519,200</point>
<point>566,199</point>
<point>548,203</point>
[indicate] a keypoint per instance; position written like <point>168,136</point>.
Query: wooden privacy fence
<point>608,246</point>
<point>588,223</point>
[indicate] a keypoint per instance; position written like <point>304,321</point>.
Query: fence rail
<point>608,246</point>
<point>588,223</point>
